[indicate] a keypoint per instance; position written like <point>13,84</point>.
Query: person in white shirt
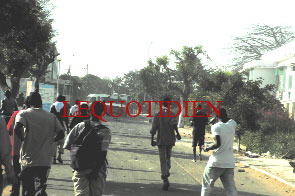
<point>74,108</point>
<point>221,163</point>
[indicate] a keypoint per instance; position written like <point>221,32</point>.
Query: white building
<point>277,67</point>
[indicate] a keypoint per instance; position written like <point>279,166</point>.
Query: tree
<point>189,71</point>
<point>154,79</point>
<point>260,39</point>
<point>133,85</point>
<point>44,54</point>
<point>159,79</point>
<point>244,100</point>
<point>24,27</point>
<point>92,84</point>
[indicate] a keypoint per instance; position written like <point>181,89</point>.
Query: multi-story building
<point>285,72</point>
<point>277,67</point>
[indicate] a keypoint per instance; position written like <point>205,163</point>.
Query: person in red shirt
<point>16,145</point>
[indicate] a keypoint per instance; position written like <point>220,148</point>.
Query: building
<point>277,67</point>
<point>48,85</point>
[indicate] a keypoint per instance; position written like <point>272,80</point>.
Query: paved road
<point>134,168</point>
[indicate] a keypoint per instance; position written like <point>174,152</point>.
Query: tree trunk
<point>239,142</point>
<point>3,83</point>
<point>37,84</point>
<point>14,86</point>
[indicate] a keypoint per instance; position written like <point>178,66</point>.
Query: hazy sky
<point>116,36</point>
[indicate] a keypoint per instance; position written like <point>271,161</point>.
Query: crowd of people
<point>31,138</point>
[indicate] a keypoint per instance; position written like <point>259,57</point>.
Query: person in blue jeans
<point>221,163</point>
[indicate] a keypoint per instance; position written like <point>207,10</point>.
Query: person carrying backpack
<point>88,143</point>
<point>57,108</point>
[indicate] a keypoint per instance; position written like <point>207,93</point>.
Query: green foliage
<point>154,79</point>
<point>276,134</point>
<point>243,99</point>
<point>24,35</point>
<point>132,85</point>
<point>92,84</point>
<point>159,79</point>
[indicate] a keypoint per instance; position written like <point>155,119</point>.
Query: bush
<point>276,135</point>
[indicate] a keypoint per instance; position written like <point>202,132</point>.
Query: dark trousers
<point>165,155</point>
<point>1,181</point>
<point>17,169</point>
<point>34,180</point>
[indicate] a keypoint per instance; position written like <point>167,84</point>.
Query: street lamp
<point>58,73</point>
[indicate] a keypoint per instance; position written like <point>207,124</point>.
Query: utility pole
<point>86,69</point>
<point>57,84</point>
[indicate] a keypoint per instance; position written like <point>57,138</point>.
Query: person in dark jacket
<point>165,127</point>
<point>199,123</point>
<point>9,105</point>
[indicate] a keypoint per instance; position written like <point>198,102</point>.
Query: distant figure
<point>57,108</point>
<point>5,155</point>
<point>74,108</point>
<point>77,119</point>
<point>8,106</point>
<point>164,127</point>
<point>221,163</point>
<point>89,142</point>
<point>68,107</point>
<point>38,129</point>
<point>20,99</point>
<point>198,133</point>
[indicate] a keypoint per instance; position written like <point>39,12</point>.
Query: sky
<point>114,37</point>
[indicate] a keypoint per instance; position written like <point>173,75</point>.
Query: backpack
<point>86,149</point>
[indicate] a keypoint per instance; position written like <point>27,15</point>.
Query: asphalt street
<point>134,168</point>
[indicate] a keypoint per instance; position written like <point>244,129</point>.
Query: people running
<point>16,145</point>
<point>57,108</point>
<point>89,161</point>
<point>37,129</point>
<point>199,123</point>
<point>221,163</point>
<point>83,116</point>
<point>74,108</point>
<point>164,127</point>
<point>5,155</point>
<point>9,105</point>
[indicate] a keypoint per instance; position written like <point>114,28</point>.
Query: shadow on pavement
<point>133,136</point>
<point>153,152</point>
<point>60,180</point>
<point>132,170</point>
<point>138,189</point>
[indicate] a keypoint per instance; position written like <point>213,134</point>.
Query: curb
<point>268,174</point>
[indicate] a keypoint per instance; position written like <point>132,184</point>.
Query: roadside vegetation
<point>27,48</point>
